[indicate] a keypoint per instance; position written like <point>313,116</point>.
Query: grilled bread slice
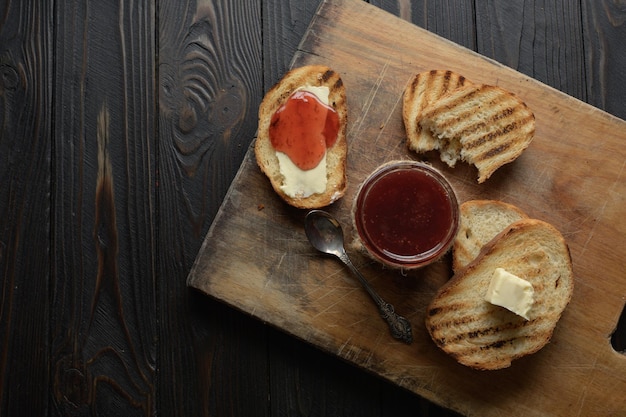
<point>423,89</point>
<point>483,125</point>
<point>484,336</point>
<point>315,76</point>
<point>481,221</point>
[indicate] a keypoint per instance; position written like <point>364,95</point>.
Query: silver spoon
<point>325,234</point>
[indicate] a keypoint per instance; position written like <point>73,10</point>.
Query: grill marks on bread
<point>489,125</point>
<point>334,82</point>
<point>483,338</point>
<point>472,327</point>
<point>483,125</point>
<point>423,89</point>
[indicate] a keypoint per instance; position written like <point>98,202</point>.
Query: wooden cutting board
<point>256,257</point>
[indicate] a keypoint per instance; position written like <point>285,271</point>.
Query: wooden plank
<point>605,35</point>
<point>542,39</point>
<point>210,85</point>
<point>103,318</point>
<point>284,24</point>
<point>316,300</point>
<point>451,19</point>
<point>25,125</point>
<point>324,386</point>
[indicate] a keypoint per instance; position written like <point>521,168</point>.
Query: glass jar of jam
<point>406,214</point>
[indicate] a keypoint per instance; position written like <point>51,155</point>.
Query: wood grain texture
<point>301,383</point>
<point>283,26</point>
<point>210,85</point>
<point>103,327</point>
<point>25,125</point>
<point>314,298</point>
<point>604,27</point>
<point>451,19</point>
<point>541,39</point>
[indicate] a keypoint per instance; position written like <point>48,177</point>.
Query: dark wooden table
<point>122,125</point>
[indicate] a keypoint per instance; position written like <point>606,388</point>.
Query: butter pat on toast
<point>484,336</point>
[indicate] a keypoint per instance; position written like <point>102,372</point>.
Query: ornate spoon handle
<point>399,326</point>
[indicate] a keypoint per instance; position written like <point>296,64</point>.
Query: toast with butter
<point>480,221</point>
<point>485,336</point>
<point>312,187</point>
<point>423,89</point>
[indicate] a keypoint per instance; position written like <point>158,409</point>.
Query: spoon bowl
<point>325,234</point>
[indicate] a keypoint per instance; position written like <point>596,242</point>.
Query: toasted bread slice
<point>484,336</point>
<point>481,221</point>
<point>313,75</point>
<point>483,125</point>
<point>423,89</point>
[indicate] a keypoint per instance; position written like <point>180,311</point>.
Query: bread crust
<point>483,125</point>
<point>423,89</point>
<point>487,337</point>
<point>336,156</point>
<point>480,221</point>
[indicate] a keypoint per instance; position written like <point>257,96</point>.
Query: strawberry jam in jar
<point>406,214</point>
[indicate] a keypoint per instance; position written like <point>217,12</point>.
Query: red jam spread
<point>406,215</point>
<point>303,128</point>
